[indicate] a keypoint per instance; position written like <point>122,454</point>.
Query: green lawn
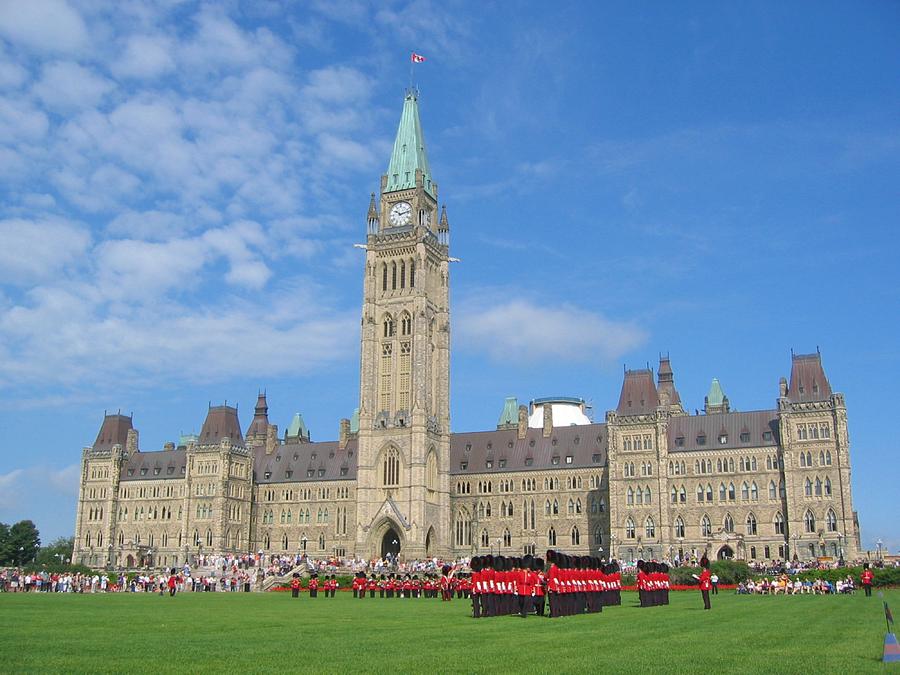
<point>268,632</point>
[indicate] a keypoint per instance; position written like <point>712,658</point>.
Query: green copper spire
<point>297,428</point>
<point>409,150</point>
<point>716,396</point>
<point>509,418</point>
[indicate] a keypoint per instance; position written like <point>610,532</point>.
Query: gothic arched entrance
<point>130,561</point>
<point>390,543</point>
<point>429,543</point>
<point>726,553</point>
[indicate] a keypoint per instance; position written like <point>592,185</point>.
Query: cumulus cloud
<point>43,25</point>
<point>145,57</point>
<point>36,250</point>
<point>67,85</point>
<point>41,493</point>
<point>521,331</point>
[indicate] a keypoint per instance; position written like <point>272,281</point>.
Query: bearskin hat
<point>704,562</point>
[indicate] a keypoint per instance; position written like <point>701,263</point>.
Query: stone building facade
<point>650,481</point>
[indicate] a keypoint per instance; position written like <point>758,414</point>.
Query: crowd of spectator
<point>785,585</point>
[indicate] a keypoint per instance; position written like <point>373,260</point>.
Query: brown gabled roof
<point>293,462</point>
<point>690,428</point>
<point>113,431</point>
<point>585,444</point>
<point>639,395</point>
<point>163,464</point>
<point>808,380</point>
<point>221,422</point>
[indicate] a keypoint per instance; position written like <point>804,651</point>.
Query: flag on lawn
<point>417,58</point>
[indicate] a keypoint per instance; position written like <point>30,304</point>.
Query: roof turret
<point>113,431</point>
<point>221,422</point>
<point>665,379</point>
<point>297,428</point>
<point>808,380</point>
<point>639,395</point>
<point>716,401</point>
<point>409,154</point>
<point>509,418</point>
<point>260,417</point>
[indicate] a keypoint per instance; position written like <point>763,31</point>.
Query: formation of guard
<point>653,583</point>
<point>581,584</point>
<point>503,586</point>
<point>412,586</point>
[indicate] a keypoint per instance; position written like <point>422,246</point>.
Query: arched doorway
<point>130,561</point>
<point>726,553</point>
<point>390,543</point>
<point>429,543</point>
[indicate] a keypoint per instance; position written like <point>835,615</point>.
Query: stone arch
<point>430,540</point>
<point>379,533</point>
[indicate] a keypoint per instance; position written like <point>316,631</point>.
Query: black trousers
<point>525,603</point>
<point>294,593</point>
<point>715,589</point>
<point>355,593</point>
<point>476,605</point>
<point>705,599</point>
<point>539,604</point>
<point>313,592</point>
<point>868,588</point>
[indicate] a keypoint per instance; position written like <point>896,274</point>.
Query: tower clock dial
<point>400,214</point>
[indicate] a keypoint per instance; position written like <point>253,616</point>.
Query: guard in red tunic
<point>866,579</point>
<point>705,582</point>
<point>295,586</point>
<point>313,585</point>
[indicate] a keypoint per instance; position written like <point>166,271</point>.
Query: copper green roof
<point>716,396</point>
<point>510,414</point>
<point>354,421</point>
<point>409,150</point>
<point>297,427</point>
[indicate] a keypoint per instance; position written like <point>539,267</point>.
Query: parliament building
<point>650,481</point>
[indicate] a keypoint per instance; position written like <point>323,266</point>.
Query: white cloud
<point>521,331</point>
<point>36,250</point>
<point>145,57</point>
<point>67,85</point>
<point>337,84</point>
<point>9,488</point>
<point>44,25</point>
<point>20,121</point>
<point>11,74</point>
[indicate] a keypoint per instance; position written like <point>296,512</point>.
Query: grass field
<point>216,632</point>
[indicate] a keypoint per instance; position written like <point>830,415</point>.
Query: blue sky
<point>181,185</point>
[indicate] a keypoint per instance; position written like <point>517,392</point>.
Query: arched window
<point>463,533</point>
<point>827,486</point>
<point>209,538</point>
<point>551,537</point>
<point>831,521</point>
<point>322,542</point>
<point>731,492</point>
<point>679,527</point>
<point>723,492</point>
<point>648,496</point>
<point>391,468</point>
<point>284,542</point>
<point>779,523</point>
<point>745,490</point>
<point>629,528</point>
<point>709,492</point>
<point>405,324</point>
<point>384,277</point>
<point>394,276</point>
<point>639,496</point>
<point>431,472</point>
<point>577,506</point>
<point>576,537</point>
<point>571,507</point>
<point>808,489</point>
<point>808,458</point>
<point>507,538</point>
<point>810,521</point>
<point>674,495</point>
<point>390,328</point>
<point>818,487</point>
<point>699,493</point>
<point>781,489</point>
<point>682,495</point>
<point>555,508</point>
<point>705,526</point>
<point>731,465</point>
<point>402,274</point>
<point>267,542</point>
<point>629,496</point>
<point>751,524</point>
<point>650,528</point>
<point>728,523</point>
<point>754,491</point>
<point>773,491</point>
<point>485,540</point>
<point>768,463</point>
<point>828,457</point>
<point>719,465</point>
<point>547,508</point>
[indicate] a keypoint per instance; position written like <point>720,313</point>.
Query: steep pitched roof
<point>113,431</point>
<point>639,395</point>
<point>510,414</point>
<point>306,462</point>
<point>471,452</point>
<point>260,423</point>
<point>716,396</point>
<point>162,464</point>
<point>221,422</point>
<point>758,427</point>
<point>808,380</point>
<point>409,150</point>
<point>666,381</point>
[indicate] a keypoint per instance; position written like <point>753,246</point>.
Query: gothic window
<point>709,492</point>
<point>485,538</point>
<point>699,493</point>
<point>402,274</point>
<point>532,515</point>
<point>801,432</point>
<point>768,463</point>
<point>751,524</point>
<point>779,524</point>
<point>648,496</point>
<point>827,486</point>
<point>813,431</point>
<point>674,494</point>
<point>639,497</point>
<point>808,490</point>
<point>723,492</point>
<point>571,507</point>
<point>487,510</point>
<point>551,537</point>
<point>679,527</point>
<point>431,472</point>
<point>405,324</point>
<point>322,541</point>
<point>810,521</point>
<point>728,523</point>
<point>391,468</point>
<point>754,491</point>
<point>782,492</point>
<point>719,465</point>
<point>576,536</point>
<point>745,490</point>
<point>650,528</point>
<point>705,526</point>
<point>209,538</point>
<point>387,350</point>
<point>629,528</point>
<point>826,431</point>
<point>555,508</point>
<point>731,465</point>
<point>412,273</point>
<point>831,521</point>
<point>390,328</point>
<point>731,492</point>
<point>507,538</point>
<point>405,369</point>
<point>682,495</point>
<point>393,276</point>
<point>802,459</point>
<point>809,458</point>
<point>463,532</point>
<point>818,487</point>
<point>547,508</point>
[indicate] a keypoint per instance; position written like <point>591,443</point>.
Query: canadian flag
<point>417,58</point>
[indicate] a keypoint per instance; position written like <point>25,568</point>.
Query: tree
<point>56,552</point>
<point>6,557</point>
<point>23,542</point>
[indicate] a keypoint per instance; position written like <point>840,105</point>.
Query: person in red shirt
<point>295,585</point>
<point>705,583</point>
<point>866,579</point>
<point>313,585</point>
<point>173,580</point>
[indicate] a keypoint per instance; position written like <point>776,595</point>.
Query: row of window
<point>505,486</point>
<point>152,491</point>
<point>818,489</point>
<point>806,458</point>
<point>643,495</point>
<point>286,516</point>
<point>637,442</point>
<point>303,543</point>
<point>170,471</point>
<point>700,439</point>
<point>307,494</point>
<point>152,513</point>
<point>99,472</point>
<point>394,276</point>
<point>750,525</point>
<point>631,471</point>
<point>813,431</point>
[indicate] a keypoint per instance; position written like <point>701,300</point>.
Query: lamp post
<point>303,541</point>
<point>796,538</point>
<point>879,553</point>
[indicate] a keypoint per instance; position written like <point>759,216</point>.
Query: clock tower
<point>403,498</point>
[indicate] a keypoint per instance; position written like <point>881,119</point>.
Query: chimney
<point>523,422</point>
<point>131,441</point>
<point>271,438</point>
<point>548,419</point>
<point>344,434</point>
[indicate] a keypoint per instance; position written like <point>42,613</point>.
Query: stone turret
<point>522,426</point>
<point>344,433</point>
<point>548,420</point>
<point>716,401</point>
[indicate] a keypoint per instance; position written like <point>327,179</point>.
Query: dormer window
<point>463,466</point>
<point>343,470</point>
<point>321,472</point>
<point>745,437</point>
<point>130,472</point>
<point>679,441</point>
<point>554,460</point>
<point>595,458</point>
<point>310,473</point>
<point>143,472</point>
<point>313,457</point>
<point>288,474</point>
<point>157,471</point>
<point>183,470</point>
<point>268,475</point>
<point>170,470</point>
<point>701,439</point>
<point>488,464</point>
<point>723,439</point>
<point>529,461</point>
<point>468,447</point>
<point>501,463</point>
<point>767,435</point>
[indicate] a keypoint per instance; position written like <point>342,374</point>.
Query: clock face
<point>400,214</point>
